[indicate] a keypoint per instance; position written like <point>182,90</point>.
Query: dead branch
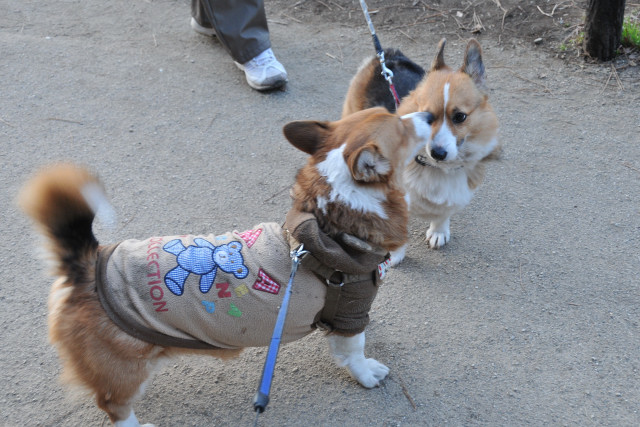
<point>406,394</point>
<point>292,18</point>
<point>298,4</point>
<point>614,70</point>
<point>477,24</point>
<point>550,15</point>
<point>614,74</point>
<point>64,120</point>
<point>407,36</point>
<point>504,11</point>
<point>627,165</point>
<point>324,4</point>
<point>411,25</point>
<point>277,193</point>
<point>6,123</point>
<point>431,7</point>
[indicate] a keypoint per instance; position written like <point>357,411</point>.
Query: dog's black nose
<point>438,153</point>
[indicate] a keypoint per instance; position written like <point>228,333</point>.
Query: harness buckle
<point>337,284</point>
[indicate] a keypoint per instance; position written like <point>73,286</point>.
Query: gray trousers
<point>240,25</point>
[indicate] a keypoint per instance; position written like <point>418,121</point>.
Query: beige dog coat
<point>224,291</point>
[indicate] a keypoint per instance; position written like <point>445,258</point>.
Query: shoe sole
<point>275,85</point>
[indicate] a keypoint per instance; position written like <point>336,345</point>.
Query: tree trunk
<point>603,28</point>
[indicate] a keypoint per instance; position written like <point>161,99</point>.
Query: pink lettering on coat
<point>153,273</point>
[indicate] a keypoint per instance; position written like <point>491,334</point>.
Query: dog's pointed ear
<point>473,65</point>
<point>438,61</point>
<point>368,164</point>
<point>307,135</point>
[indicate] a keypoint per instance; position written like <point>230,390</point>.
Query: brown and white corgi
<point>116,311</point>
<point>463,131</point>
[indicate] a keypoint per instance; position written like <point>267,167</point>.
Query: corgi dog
<point>463,131</point>
<point>368,88</point>
<point>117,311</point>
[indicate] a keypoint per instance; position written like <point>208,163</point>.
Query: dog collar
<point>422,161</point>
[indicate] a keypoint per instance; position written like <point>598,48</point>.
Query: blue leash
<point>261,399</point>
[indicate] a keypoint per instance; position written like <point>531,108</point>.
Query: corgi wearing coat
<point>117,311</point>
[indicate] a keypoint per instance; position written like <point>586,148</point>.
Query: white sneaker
<point>264,71</point>
<point>202,30</point>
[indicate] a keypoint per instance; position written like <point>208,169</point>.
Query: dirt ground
<point>529,316</point>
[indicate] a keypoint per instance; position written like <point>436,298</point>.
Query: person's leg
<point>241,26</point>
<point>199,20</point>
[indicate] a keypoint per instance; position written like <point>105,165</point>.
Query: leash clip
<point>386,72</point>
<point>298,254</point>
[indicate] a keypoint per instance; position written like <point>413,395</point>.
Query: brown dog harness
<point>351,269</point>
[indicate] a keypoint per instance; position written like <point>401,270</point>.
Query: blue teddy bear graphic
<point>203,260</point>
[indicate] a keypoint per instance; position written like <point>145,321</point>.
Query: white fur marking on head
<point>345,190</point>
<point>446,96</point>
<point>445,139</point>
<point>99,204</point>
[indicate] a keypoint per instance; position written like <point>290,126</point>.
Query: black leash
<point>386,72</point>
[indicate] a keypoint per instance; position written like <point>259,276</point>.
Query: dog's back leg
<point>96,353</point>
<point>119,404</point>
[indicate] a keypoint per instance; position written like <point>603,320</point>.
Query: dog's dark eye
<point>458,117</point>
<point>430,118</point>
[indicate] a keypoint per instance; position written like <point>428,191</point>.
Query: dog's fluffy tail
<point>63,201</point>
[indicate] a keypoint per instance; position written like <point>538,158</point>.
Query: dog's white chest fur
<point>434,192</point>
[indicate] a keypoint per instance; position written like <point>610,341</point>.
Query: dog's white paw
<point>127,423</point>
<point>349,352</point>
<point>398,255</point>
<point>131,421</point>
<point>369,372</point>
<point>437,238</point>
